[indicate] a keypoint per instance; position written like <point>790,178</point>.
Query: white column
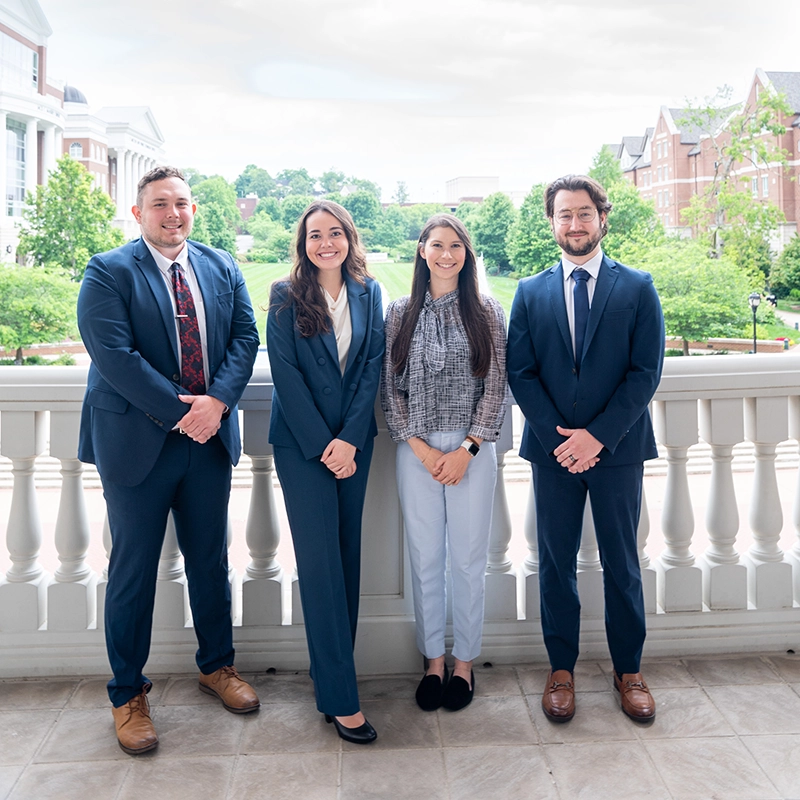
<point>121,186</point>
<point>769,573</point>
<point>72,598</point>
<point>130,188</point>
<point>102,583</point>
<point>172,597</point>
<point>724,576</point>
<point>590,572</point>
<point>793,556</point>
<point>31,155</point>
<point>3,169</point>
<point>501,579</point>
<point>680,585</point>
<point>49,151</point>
<point>23,591</point>
<point>649,573</point>
<point>530,567</point>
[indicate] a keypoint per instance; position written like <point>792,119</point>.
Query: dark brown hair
<point>156,174</point>
<point>311,310</point>
<point>576,183</point>
<point>473,313</point>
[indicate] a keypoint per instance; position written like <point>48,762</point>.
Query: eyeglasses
<point>584,215</point>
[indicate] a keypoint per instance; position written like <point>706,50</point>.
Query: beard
<point>571,249</point>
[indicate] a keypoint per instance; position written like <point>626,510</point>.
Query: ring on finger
<point>572,458</point>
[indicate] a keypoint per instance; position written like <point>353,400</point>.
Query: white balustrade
<point>172,597</point>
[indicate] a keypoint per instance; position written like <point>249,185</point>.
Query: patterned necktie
<point>580,297</point>
<point>192,376</point>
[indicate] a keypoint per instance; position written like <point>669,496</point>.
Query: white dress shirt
<point>592,266</point>
<point>339,310</point>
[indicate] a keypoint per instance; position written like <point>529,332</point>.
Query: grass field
<point>394,277</point>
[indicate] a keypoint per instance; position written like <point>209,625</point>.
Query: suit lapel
<point>158,286</point>
<point>606,278</point>
<point>555,286</point>
<point>358,300</point>
<point>202,273</point>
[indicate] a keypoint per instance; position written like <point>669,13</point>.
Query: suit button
<point>574,405</point>
<point>176,377</point>
<point>358,359</point>
<point>353,387</point>
<point>320,361</point>
<point>326,390</point>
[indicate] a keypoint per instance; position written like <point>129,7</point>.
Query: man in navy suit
<point>170,330</point>
<point>585,349</point>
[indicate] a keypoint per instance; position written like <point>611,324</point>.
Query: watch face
<point>473,449</point>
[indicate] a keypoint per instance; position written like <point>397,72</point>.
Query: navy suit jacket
<point>312,401</point>
<point>619,372</point>
<point>127,322</point>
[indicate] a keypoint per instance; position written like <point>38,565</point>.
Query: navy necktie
<point>192,375</point>
<point>580,297</point>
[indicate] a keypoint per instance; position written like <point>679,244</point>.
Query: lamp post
<point>754,300</point>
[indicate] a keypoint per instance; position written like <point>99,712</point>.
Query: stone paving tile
<point>184,691</point>
<point>99,781</point>
<point>598,717</point>
<point>589,677</point>
<point>685,713</point>
<point>379,774</point>
<point>758,709</point>
<point>788,667</point>
<point>730,671</point>
<point>35,694</point>
<point>513,773</point>
<point>779,757</point>
<point>304,776</point>
<point>198,731</point>
<point>21,734</point>
<point>87,733</point>
<point>388,687</point>
<point>284,688</point>
<point>8,777</point>
<point>288,728</point>
<point>92,693</point>
<point>177,778</point>
<point>488,721</point>
<point>710,768</point>
<point>605,771</point>
<point>667,674</point>
<point>497,682</point>
<point>401,725</point>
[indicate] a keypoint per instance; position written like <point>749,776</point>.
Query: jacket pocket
<point>108,401</point>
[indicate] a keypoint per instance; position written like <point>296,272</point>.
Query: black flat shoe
<point>363,734</point>
<point>431,691</point>
<point>458,693</point>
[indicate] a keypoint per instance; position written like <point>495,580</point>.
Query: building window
<point>76,150</point>
<point>35,72</point>
<point>754,187</point>
<point>765,185</point>
<point>15,165</point>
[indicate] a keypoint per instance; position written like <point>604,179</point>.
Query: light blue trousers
<point>441,519</point>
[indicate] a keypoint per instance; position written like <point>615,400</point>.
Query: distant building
<point>674,160</point>
<point>470,189</point>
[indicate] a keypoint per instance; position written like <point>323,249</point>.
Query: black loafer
<point>431,691</point>
<point>458,693</point>
<point>363,734</point>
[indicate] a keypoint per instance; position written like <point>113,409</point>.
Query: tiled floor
<point>727,728</point>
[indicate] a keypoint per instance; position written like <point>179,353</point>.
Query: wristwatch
<point>470,446</point>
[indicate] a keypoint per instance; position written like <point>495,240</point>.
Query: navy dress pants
<point>325,520</point>
<point>615,494</point>
<point>192,481</point>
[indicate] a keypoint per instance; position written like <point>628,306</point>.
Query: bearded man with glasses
<point>585,349</point>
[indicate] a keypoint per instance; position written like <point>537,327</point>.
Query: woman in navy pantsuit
<point>325,343</point>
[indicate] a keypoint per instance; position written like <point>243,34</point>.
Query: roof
<point>708,122</point>
<point>73,95</point>
<point>789,84</point>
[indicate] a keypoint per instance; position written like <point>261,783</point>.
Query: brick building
<point>674,159</point>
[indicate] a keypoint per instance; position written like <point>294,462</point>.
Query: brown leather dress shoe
<point>236,695</point>
<point>637,702</point>
<point>135,731</point>
<point>558,700</point>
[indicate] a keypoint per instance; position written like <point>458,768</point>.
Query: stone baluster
<point>233,580</point>
<point>724,576</point>
<point>530,567</point>
<point>769,573</point>
<point>172,598</point>
<point>23,590</point>
<point>793,556</point>
<point>501,578</point>
<point>102,583</point>
<point>72,598</point>
<point>649,574</point>
<point>262,584</point>
<point>590,571</point>
<point>680,581</point>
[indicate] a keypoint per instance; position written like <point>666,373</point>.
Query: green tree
<point>785,273</point>
<point>35,306</point>
<point>69,220</point>
<point>417,215</point>
<point>632,222</point>
<point>292,207</point>
<point>294,181</point>
<point>254,180</point>
<point>492,223</point>
<point>365,209</point>
<point>361,184</point>
<point>390,228</point>
<point>701,296</point>
<point>726,214</point>
<point>271,241</point>
<point>401,193</point>
<point>216,203</point>
<point>332,181</point>
<point>530,245</point>
<point>269,206</point>
<point>193,176</point>
<point>606,169</point>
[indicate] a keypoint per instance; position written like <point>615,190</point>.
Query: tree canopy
<point>490,226</point>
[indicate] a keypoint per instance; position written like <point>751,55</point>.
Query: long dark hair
<point>311,310</point>
<point>473,313</point>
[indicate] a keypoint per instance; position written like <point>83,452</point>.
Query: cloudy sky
<point>413,90</point>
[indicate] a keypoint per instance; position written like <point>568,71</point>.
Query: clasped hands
<point>579,452</point>
<point>447,468</point>
<point>339,458</point>
<point>204,417</point>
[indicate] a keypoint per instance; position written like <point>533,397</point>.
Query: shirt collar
<point>592,266</point>
<point>164,263</point>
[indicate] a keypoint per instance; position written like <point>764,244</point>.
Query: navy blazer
<point>127,322</point>
<point>619,372</point>
<point>312,402</point>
